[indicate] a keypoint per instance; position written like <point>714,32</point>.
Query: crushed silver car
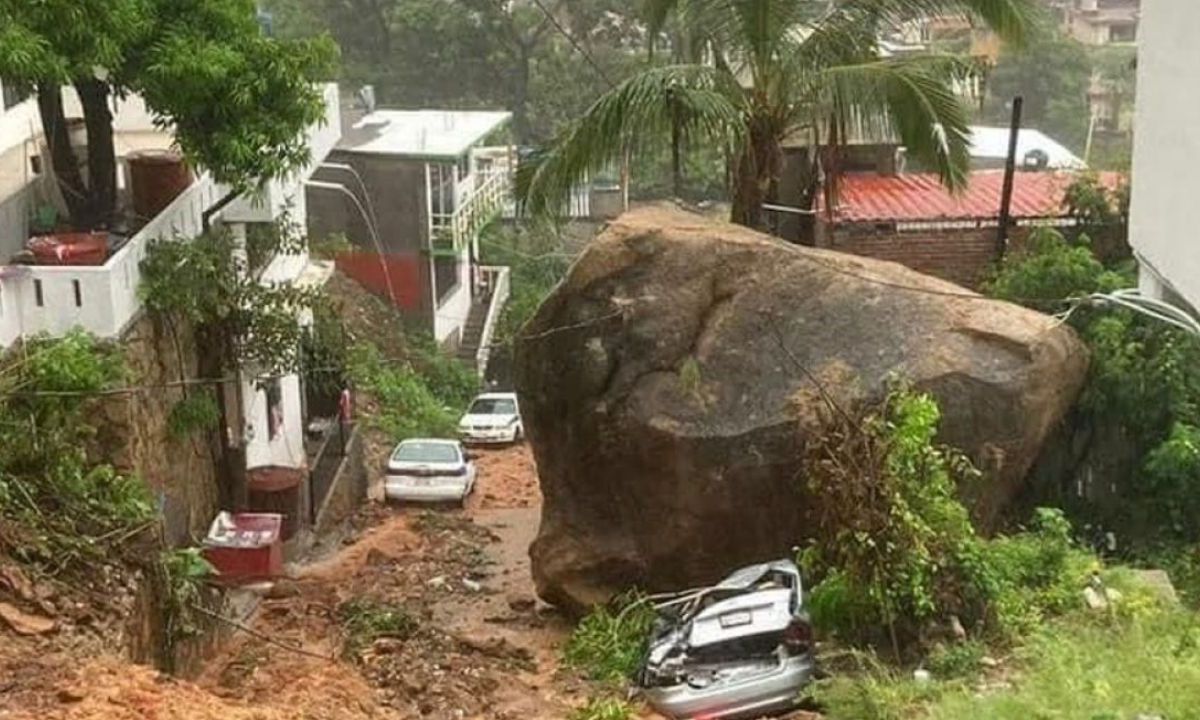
<point>742,648</point>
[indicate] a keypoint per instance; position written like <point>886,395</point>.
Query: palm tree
<point>777,69</point>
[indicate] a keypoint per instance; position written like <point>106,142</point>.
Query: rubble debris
<point>23,623</point>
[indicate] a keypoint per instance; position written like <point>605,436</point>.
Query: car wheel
<point>519,435</point>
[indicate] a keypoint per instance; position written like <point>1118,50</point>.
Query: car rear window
<point>493,406</point>
<point>426,452</point>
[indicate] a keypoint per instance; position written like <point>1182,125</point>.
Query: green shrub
<point>956,660</point>
<point>407,406</point>
<point>610,642</point>
<point>1035,574</point>
<point>872,691</point>
<point>365,621</point>
<point>196,412</point>
<point>63,509</point>
<point>893,540</point>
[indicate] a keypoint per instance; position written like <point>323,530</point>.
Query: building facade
<point>1166,154</point>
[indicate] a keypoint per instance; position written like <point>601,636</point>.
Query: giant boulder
<point>669,383</point>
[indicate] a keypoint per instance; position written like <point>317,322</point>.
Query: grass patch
<point>604,709</point>
<point>608,644</point>
<point>1139,658</point>
<point>365,621</point>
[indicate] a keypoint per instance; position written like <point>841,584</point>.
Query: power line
<point>575,43</point>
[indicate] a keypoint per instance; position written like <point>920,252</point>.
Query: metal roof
<point>915,197</point>
<point>991,143</point>
<point>423,134</point>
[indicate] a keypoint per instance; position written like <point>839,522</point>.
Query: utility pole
<point>1010,168</point>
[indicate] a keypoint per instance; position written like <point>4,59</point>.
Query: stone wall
<point>349,487</point>
<point>132,431</point>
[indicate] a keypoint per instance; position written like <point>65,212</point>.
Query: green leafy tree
<point>1052,73</point>
<point>237,101</point>
<point>776,72</point>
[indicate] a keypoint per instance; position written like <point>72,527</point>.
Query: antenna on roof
<point>366,98</point>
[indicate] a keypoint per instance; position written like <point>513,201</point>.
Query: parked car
<point>492,418</point>
<point>424,469</point>
<point>742,648</point>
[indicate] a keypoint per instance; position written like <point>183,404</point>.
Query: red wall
<point>405,271</point>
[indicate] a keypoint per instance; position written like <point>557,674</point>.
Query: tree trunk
<point>676,159</point>
<point>63,160</point>
<point>755,168</point>
<point>102,158</point>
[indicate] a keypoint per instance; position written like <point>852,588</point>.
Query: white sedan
<point>429,470</point>
<point>492,418</point>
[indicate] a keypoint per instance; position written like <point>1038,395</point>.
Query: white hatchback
<point>423,469</point>
<point>492,418</point>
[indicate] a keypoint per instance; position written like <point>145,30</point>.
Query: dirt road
<point>479,645</point>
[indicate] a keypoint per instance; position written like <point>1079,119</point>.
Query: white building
<point>1166,153</point>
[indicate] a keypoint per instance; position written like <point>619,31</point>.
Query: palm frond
<point>1012,20</point>
<point>701,101</point>
<point>916,98</point>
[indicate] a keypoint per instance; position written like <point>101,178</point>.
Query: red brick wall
<point>963,256</point>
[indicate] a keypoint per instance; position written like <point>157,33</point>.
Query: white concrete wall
<point>1166,153</point>
<point>451,315</point>
<point>286,449</point>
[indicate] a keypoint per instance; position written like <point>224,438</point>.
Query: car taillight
<point>798,636</point>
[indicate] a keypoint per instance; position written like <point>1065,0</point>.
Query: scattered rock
<point>1094,599</point>
<point>387,646</point>
<point>376,557</point>
<point>282,589</point>
<point>521,603</point>
<point>988,661</point>
<point>956,628</point>
<point>500,648</point>
<point>922,675</point>
<point>1160,583</point>
<point>437,582</point>
<point>23,623</point>
<point>13,579</point>
<point>472,585</point>
<point>675,407</point>
<point>69,695</point>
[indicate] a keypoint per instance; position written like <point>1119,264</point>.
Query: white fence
<point>498,278</point>
<point>101,299</point>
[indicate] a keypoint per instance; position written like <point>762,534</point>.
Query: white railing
<point>103,299</point>
<point>498,279</point>
<point>454,230</point>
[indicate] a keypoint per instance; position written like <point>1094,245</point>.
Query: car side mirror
<point>471,457</point>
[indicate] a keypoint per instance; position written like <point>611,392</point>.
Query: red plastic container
<point>245,547</point>
<point>70,248</point>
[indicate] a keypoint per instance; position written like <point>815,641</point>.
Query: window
<point>38,299</point>
<point>78,293</point>
<point>12,95</point>
<point>1122,33</point>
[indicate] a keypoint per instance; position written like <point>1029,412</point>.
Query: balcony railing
<point>450,232</point>
<point>103,299</point>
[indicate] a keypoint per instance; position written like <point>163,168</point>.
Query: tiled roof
<point>915,197</point>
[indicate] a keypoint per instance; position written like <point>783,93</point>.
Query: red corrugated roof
<point>915,197</point>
